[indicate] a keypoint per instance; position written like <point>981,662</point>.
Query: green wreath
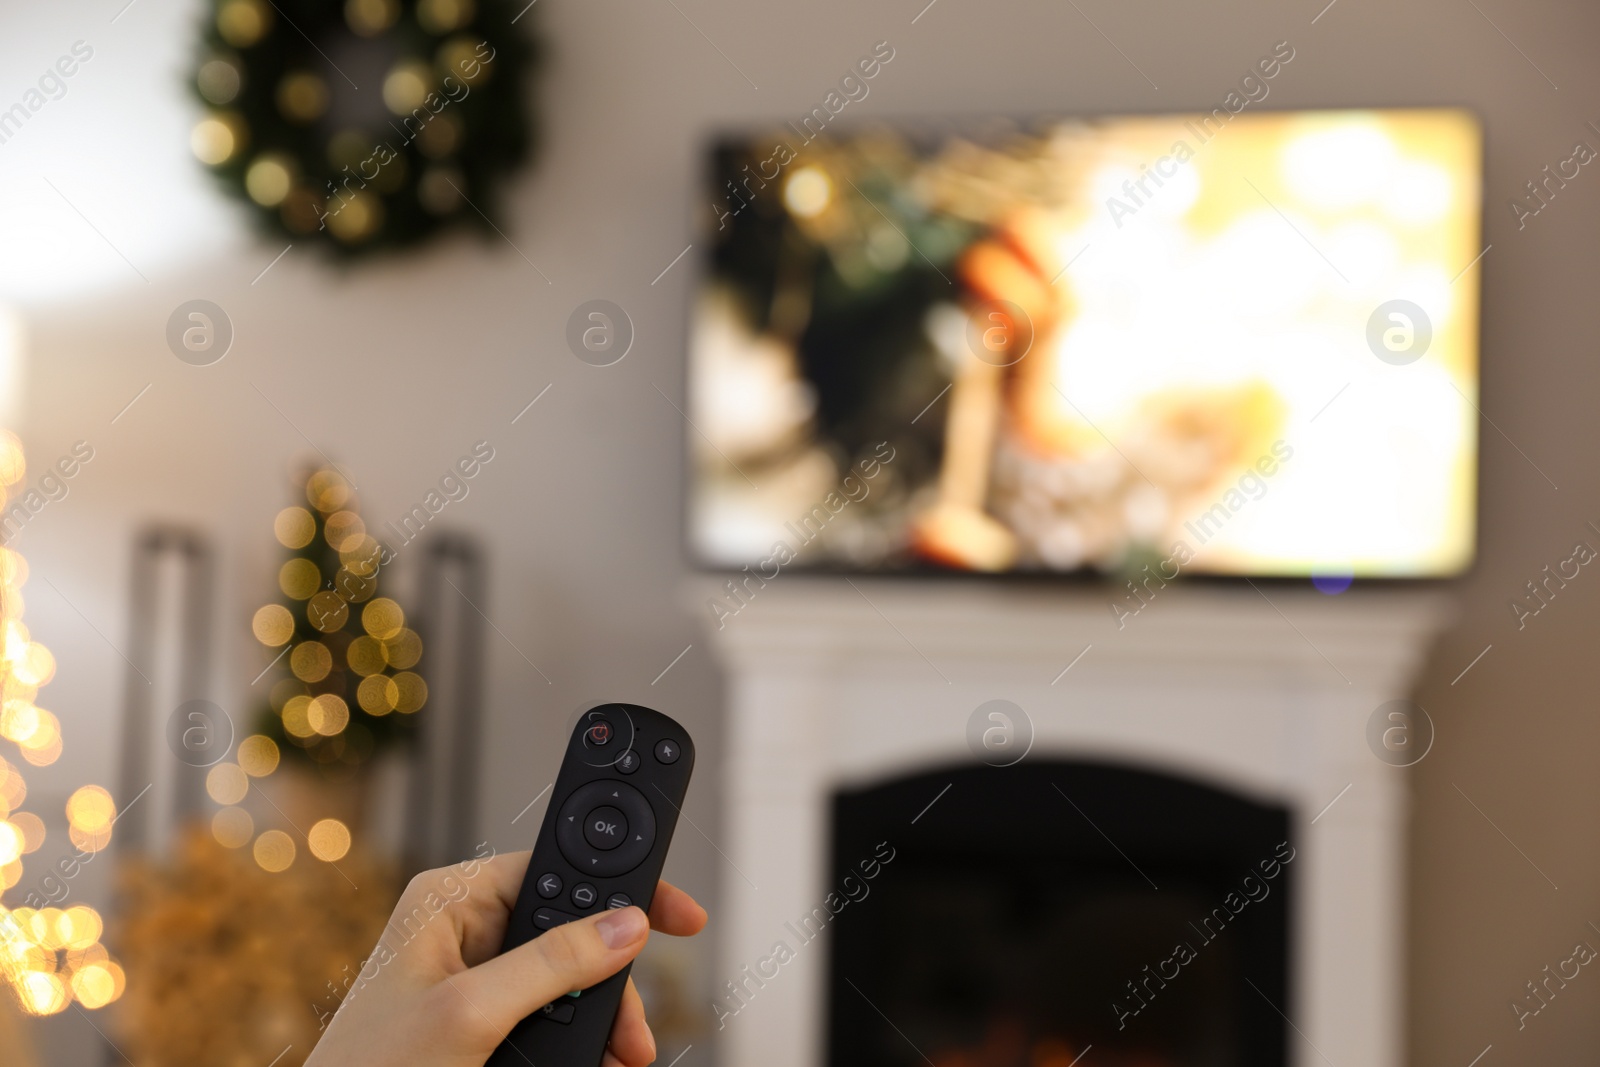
<point>369,124</point>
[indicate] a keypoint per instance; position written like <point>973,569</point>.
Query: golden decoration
<point>327,491</point>
<point>258,755</point>
<point>461,57</point>
<point>413,692</point>
<point>226,783</point>
<point>294,527</point>
<point>13,465</point>
<point>403,650</point>
<point>13,788</point>
<point>378,695</point>
<point>89,840</point>
<point>327,611</point>
<point>365,656</point>
<point>368,18</point>
<point>356,217</point>
<point>297,717</point>
<point>441,16</point>
<point>274,851</point>
<point>329,840</point>
<point>33,831</point>
<point>90,808</point>
<point>218,81</point>
<point>311,661</point>
<point>299,578</point>
<point>233,827</point>
<point>328,714</point>
<point>272,625</point>
<point>441,136</point>
<point>243,22</point>
<point>98,984</point>
<point>302,97</point>
<point>364,558</point>
<point>269,179</point>
<point>344,529</point>
<point>211,938</point>
<point>33,665</point>
<point>352,586</point>
<point>383,618</point>
<point>216,138</point>
<point>406,86</point>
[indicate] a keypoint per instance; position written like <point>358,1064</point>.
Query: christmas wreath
<point>368,124</point>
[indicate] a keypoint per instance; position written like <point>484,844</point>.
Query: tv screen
<point>1229,343</point>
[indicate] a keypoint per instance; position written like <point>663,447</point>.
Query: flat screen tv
<point>1234,344</point>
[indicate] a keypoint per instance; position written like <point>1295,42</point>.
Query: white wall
<point>396,369</point>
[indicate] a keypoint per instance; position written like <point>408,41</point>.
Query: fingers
<point>512,986</point>
<point>500,875</point>
<point>632,1044</point>
<point>672,911</point>
<point>484,891</point>
<point>478,895</point>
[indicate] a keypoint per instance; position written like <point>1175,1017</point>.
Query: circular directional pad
<point>606,828</point>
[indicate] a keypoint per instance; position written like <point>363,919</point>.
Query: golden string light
<point>49,957</point>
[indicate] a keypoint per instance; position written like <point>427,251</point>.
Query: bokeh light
<point>232,827</point>
<point>272,625</point>
<point>258,755</point>
<point>382,618</point>
<point>311,661</point>
<point>274,851</point>
<point>329,840</point>
<point>226,783</point>
<point>328,714</point>
<point>299,578</point>
<point>91,809</point>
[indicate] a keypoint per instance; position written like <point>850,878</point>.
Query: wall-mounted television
<point>1233,343</point>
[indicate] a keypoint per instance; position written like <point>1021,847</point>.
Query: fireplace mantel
<point>1265,689</point>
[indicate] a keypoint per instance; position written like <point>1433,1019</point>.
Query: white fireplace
<point>1263,690</point>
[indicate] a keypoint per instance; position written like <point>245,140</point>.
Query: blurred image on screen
<point>1231,343</point>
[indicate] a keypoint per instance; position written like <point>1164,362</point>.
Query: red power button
<point>599,733</point>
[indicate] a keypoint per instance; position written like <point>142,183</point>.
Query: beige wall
<point>396,369</point>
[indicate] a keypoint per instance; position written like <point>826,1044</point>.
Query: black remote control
<point>602,845</point>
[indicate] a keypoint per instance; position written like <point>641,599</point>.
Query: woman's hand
<point>434,993</point>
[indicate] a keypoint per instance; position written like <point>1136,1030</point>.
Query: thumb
<point>505,990</point>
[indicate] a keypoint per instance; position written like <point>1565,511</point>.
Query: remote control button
<point>605,828</point>
<point>558,1012</point>
<point>584,895</point>
<point>640,820</point>
<point>628,762</point>
<point>668,752</point>
<point>619,900</point>
<point>549,886</point>
<point>599,733</point>
<point>550,918</point>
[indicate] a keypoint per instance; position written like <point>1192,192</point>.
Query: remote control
<point>602,845</point>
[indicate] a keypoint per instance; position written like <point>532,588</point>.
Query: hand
<point>434,992</point>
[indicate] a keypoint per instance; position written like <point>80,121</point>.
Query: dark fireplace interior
<point>1036,911</point>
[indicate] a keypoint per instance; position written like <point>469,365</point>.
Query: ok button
<point>605,828</point>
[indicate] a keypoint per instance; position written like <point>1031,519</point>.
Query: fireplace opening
<point>1032,912</point>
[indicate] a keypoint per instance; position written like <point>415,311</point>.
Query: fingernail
<point>622,927</point>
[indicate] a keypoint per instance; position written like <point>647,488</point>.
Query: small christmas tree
<point>349,688</point>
